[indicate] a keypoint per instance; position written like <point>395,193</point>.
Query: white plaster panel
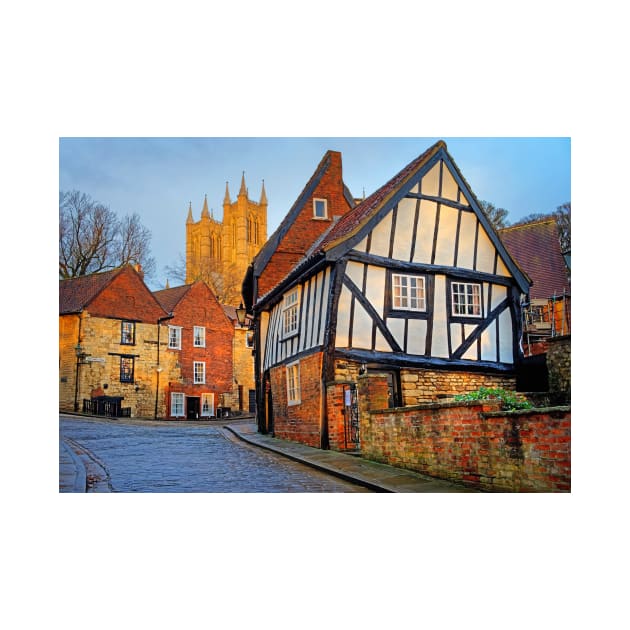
<point>502,270</point>
<point>431,181</point>
<point>381,235</point>
<point>424,234</point>
<point>361,328</point>
<point>380,343</point>
<point>506,354</point>
<point>354,271</point>
<point>415,189</point>
<point>264,325</point>
<point>360,247</point>
<point>499,293</point>
<point>444,247</point>
<point>313,320</point>
<point>343,318</point>
<point>396,326</point>
<point>471,353</point>
<point>439,345</point>
<point>456,336</point>
<point>485,252</point>
<point>466,244</point>
<point>375,288</point>
<point>304,315</point>
<point>404,229</point>
<point>416,336</point>
<point>489,343</point>
<point>325,297</point>
<point>449,186</point>
<point>462,198</point>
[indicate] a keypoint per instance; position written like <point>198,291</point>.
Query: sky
<point>157,178</point>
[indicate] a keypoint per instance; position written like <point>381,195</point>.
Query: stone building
<point>219,252</point>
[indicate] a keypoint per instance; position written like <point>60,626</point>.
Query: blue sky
<point>158,177</point>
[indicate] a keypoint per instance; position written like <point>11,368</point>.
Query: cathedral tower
<point>219,252</point>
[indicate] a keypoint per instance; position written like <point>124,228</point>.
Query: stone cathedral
<point>219,252</point>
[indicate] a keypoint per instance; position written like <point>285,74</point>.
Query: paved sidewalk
<point>377,477</point>
<point>72,475</point>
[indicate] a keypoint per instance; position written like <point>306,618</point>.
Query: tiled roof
<point>169,298</point>
<point>536,248</point>
<point>76,293</point>
<point>350,221</point>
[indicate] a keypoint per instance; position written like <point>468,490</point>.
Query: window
<point>199,335</point>
<point>199,369</point>
<point>466,299</point>
<point>293,384</point>
<point>408,292</point>
<point>290,314</point>
<point>177,405</point>
<point>175,337</point>
<point>126,369</point>
<point>128,333</point>
<point>320,208</point>
<point>207,405</point>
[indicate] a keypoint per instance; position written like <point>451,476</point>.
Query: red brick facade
<point>305,229</point>
<point>200,307</point>
<point>299,422</point>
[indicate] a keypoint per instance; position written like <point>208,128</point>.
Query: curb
<point>80,479</point>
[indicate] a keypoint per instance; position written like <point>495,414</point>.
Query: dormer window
<point>320,209</point>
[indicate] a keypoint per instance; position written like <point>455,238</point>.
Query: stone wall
<point>559,365</point>
<point>471,443</point>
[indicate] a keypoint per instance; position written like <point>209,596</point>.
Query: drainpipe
<point>76,377</point>
<point>158,368</point>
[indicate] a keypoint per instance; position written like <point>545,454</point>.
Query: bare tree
<point>92,238</point>
<point>221,276</point>
<point>496,216</point>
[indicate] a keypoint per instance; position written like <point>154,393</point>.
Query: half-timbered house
<point>412,282</point>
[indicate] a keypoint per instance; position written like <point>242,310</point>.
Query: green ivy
<point>509,400</point>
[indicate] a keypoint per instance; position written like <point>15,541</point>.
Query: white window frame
<point>201,332</point>
<point>178,396</point>
<point>402,282</point>
<point>472,301</point>
<point>291,313</point>
<point>325,204</point>
<point>207,399</point>
<point>176,342</point>
<point>293,383</point>
<point>199,379</point>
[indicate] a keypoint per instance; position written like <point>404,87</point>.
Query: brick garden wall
<point>471,443</point>
<point>559,364</point>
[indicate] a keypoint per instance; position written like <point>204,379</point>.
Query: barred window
<point>466,299</point>
<point>128,333</point>
<point>126,369</point>
<point>408,292</point>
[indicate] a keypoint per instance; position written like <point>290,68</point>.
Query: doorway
<point>192,407</point>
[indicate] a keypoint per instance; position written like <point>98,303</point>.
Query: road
<point>127,455</point>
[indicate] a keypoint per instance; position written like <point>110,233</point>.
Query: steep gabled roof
<point>354,219</point>
<point>169,298</point>
<point>76,293</point>
<point>536,248</point>
<point>267,250</point>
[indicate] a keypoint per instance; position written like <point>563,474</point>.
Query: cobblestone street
<point>143,456</point>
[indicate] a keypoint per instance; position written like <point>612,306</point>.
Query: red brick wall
<point>305,230</point>
<point>298,423</point>
<point>199,307</point>
<point>472,443</point>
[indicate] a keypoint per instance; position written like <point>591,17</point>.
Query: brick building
<point>199,341</point>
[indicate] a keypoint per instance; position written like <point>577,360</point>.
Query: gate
<point>351,418</point>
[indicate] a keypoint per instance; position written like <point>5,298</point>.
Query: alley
<point>123,455</point>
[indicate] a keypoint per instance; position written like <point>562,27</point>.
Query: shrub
<point>509,400</point>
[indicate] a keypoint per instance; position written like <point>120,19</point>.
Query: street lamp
<point>81,354</point>
<point>240,315</point>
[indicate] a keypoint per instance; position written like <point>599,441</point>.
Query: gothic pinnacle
<point>263,195</point>
<point>204,212</point>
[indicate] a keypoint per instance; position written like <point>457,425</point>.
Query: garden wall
<point>475,444</point>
